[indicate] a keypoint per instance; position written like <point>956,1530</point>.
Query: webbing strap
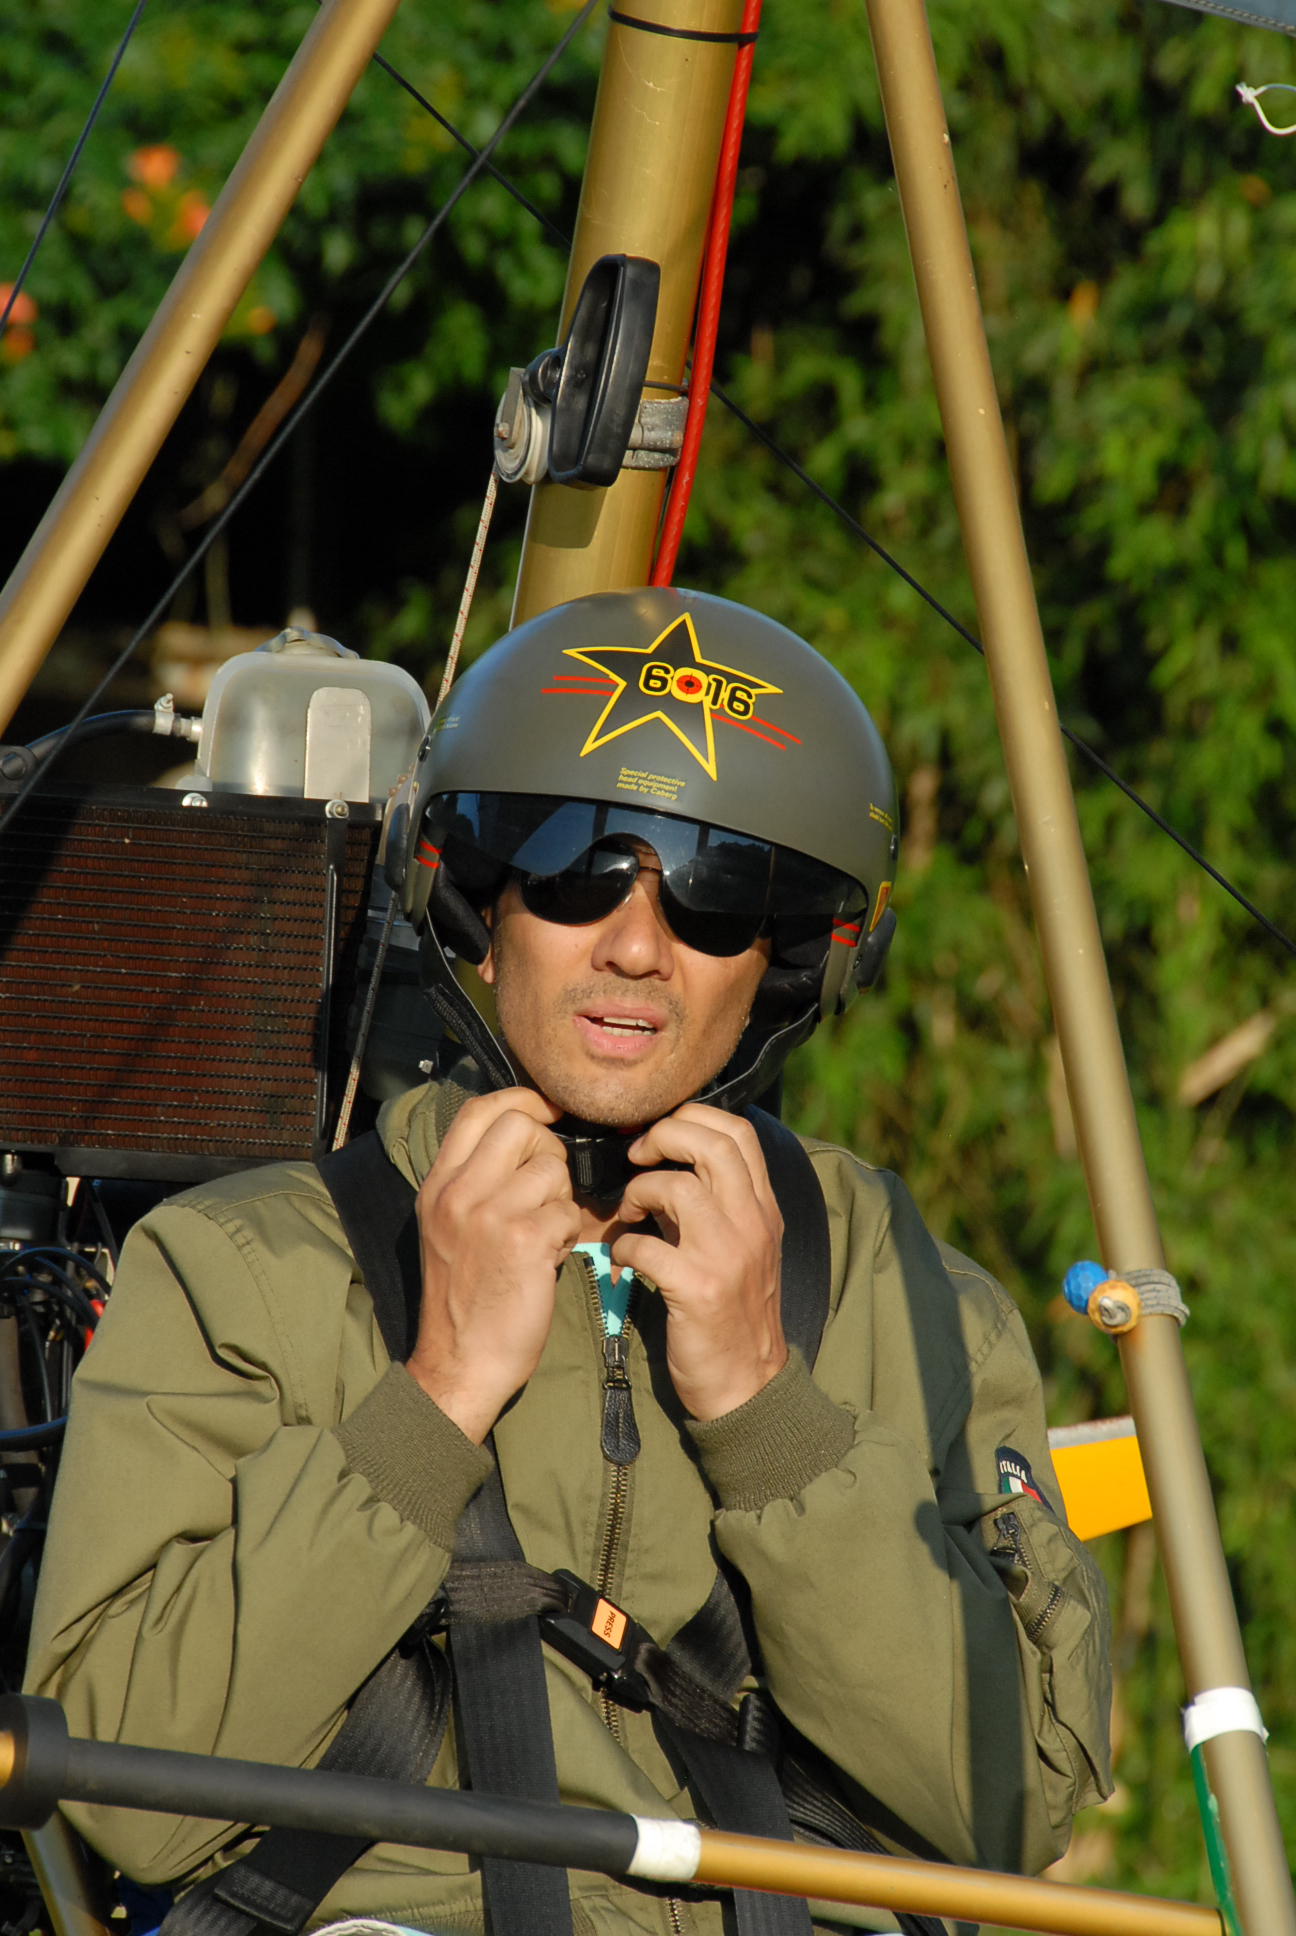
<point>394,1728</point>
<point>501,1703</point>
<point>741,1793</point>
<point>503,1726</point>
<point>807,1255</point>
<point>376,1208</point>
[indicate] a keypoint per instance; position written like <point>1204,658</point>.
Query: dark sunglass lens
<point>709,930</point>
<point>586,891</point>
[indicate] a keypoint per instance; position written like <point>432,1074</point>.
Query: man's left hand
<point>716,1262</point>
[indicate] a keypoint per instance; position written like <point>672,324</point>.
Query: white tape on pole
<point>667,1851</point>
<point>1222,1710</point>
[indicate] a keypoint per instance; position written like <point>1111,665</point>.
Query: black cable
<point>1081,746</point>
<point>28,1438</point>
<point>290,423</point>
<point>68,1294</point>
<point>785,457</point>
<point>42,1252</point>
<point>75,157</point>
<point>38,1346</point>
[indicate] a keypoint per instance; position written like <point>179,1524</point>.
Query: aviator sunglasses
<point>575,862</point>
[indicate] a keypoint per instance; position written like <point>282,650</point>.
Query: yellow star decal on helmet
<point>684,691</point>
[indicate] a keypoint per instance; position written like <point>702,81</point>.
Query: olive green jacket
<point>254,1504</point>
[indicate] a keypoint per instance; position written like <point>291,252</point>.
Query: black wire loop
<point>73,159</point>
<point>481,163</point>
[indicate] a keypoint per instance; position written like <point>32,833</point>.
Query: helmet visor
<point>576,860</point>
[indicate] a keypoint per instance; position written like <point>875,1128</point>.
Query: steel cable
<point>481,163</point>
<point>853,525</point>
<point>290,424</point>
<point>73,159</point>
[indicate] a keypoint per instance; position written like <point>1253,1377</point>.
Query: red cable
<point>708,321</point>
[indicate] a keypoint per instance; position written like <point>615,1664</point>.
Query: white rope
<point>353,1079</point>
<point>1251,95</point>
<point>384,940</point>
<point>470,586</point>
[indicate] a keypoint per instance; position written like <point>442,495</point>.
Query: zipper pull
<point>620,1434</point>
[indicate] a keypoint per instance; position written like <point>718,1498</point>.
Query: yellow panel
<point>1103,1485</point>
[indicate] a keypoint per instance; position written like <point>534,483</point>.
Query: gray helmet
<point>669,710</point>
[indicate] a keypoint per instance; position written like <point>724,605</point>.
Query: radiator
<point>174,981</point>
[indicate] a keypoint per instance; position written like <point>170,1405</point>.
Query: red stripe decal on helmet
<point>425,848</point>
<point>847,932</point>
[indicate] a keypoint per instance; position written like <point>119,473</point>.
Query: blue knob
<point>1080,1283</point>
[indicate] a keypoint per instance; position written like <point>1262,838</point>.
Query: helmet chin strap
<point>597,1154</point>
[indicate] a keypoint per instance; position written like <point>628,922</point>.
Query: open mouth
<point>616,1032</point>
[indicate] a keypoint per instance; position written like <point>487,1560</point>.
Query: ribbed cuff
<point>415,1458</point>
<point>775,1444</point>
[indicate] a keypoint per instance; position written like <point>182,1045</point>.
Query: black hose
<point>30,1438</point>
<point>139,719</point>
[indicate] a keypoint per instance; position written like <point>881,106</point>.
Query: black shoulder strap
<point>807,1255</point>
<point>504,1727</point>
<point>376,1206</point>
<point>501,1701</point>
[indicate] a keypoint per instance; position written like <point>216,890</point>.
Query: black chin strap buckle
<point>598,1165</point>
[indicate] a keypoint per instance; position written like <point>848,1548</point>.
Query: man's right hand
<point>496,1221</point>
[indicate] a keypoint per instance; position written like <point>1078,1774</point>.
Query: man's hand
<point>496,1223</point>
<point>717,1260</point>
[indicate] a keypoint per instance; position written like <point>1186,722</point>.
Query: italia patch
<point>1015,1475</point>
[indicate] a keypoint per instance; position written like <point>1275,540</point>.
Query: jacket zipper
<point>616,1373</point>
<point>616,1477</point>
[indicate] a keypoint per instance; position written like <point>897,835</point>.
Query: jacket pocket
<point>1059,1599</point>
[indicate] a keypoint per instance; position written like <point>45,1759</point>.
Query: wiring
<point>482,164</point>
<point>853,525</point>
<point>286,430</point>
<point>73,159</point>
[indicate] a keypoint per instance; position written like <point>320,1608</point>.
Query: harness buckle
<point>601,1639</point>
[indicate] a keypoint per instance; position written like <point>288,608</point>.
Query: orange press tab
<point>609,1623</point>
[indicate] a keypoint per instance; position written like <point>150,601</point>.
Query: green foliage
<point>1135,236</point>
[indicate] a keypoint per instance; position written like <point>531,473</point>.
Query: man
<point>664,831</point>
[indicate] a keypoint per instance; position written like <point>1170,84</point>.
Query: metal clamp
<point>524,419</point>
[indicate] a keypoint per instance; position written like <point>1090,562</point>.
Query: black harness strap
<point>373,1201</point>
<point>397,1720</point>
<point>503,1725</point>
<point>501,1703</point>
<point>395,1724</point>
<point>807,1253</point>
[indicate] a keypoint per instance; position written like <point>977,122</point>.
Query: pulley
<point>577,414</point>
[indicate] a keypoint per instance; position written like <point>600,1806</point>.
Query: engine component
<point>174,985</point>
<point>305,717</point>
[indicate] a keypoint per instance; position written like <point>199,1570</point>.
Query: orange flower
<point>15,344</point>
<point>261,320</point>
<point>137,205</point>
<point>191,215</point>
<point>155,167</point>
<point>23,311</point>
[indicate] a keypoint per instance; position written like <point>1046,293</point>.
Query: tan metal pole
<point>59,1865</point>
<point>654,146</point>
<point>174,349</point>
<point>935,1889</point>
<point>1206,1625</point>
